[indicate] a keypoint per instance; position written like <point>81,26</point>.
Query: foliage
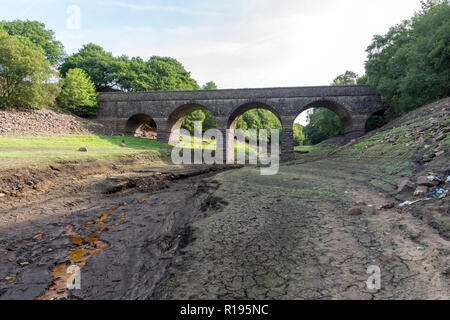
<point>39,36</point>
<point>209,86</point>
<point>207,118</point>
<point>299,137</point>
<point>410,65</point>
<point>323,124</point>
<point>348,78</point>
<point>122,73</point>
<point>259,119</point>
<point>102,68</point>
<point>26,78</point>
<point>188,122</point>
<point>78,93</point>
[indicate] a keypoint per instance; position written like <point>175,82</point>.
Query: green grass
<point>24,151</point>
<point>307,148</point>
<point>195,143</point>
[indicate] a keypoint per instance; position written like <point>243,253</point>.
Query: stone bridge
<point>126,112</point>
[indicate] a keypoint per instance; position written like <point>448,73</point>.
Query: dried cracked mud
<point>228,235</point>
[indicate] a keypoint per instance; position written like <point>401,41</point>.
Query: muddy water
<point>83,250</point>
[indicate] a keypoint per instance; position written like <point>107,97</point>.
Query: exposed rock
<point>38,236</point>
<point>355,211</point>
<point>440,153</point>
<point>405,185</point>
<point>440,137</point>
<point>425,181</point>
<point>46,122</point>
<point>389,205</point>
<point>421,191</point>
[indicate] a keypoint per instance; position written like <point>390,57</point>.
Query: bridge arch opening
<point>256,116</point>
<point>184,117</point>
<point>376,120</point>
<point>141,125</point>
<point>320,121</point>
<point>256,110</point>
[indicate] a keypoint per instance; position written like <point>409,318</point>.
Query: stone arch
<point>339,108</point>
<point>375,120</point>
<point>135,123</point>
<point>176,119</point>
<point>243,108</point>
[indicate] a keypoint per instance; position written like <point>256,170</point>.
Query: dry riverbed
<point>202,233</point>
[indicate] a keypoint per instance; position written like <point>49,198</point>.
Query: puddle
<point>78,256</point>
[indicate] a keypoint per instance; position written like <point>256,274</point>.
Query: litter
<point>437,193</point>
<point>408,203</point>
<point>421,248</point>
<point>441,193</point>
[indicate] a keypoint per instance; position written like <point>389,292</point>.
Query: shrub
<point>78,93</point>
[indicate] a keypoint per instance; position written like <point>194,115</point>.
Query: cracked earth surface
<point>234,235</point>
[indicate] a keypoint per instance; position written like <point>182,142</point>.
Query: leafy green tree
<point>299,137</point>
<point>259,119</point>
<point>78,93</point>
<point>38,35</point>
<point>169,74</point>
<point>102,68</point>
<point>188,122</point>
<point>348,78</point>
<point>323,124</point>
<point>208,119</point>
<point>135,74</point>
<point>26,77</point>
<point>209,86</point>
<point>410,65</point>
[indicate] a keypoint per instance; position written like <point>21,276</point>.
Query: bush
<point>26,78</point>
<point>78,94</point>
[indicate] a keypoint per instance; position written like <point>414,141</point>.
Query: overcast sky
<point>235,43</point>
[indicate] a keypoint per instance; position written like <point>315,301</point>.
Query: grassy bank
<point>26,151</point>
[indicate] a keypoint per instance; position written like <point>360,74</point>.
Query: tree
<point>259,119</point>
<point>37,34</point>
<point>78,93</point>
<point>26,78</point>
<point>169,74</point>
<point>299,137</point>
<point>410,65</point>
<point>102,68</point>
<point>323,124</point>
<point>348,78</point>
<point>209,86</point>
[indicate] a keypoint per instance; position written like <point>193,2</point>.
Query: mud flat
<point>205,233</point>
